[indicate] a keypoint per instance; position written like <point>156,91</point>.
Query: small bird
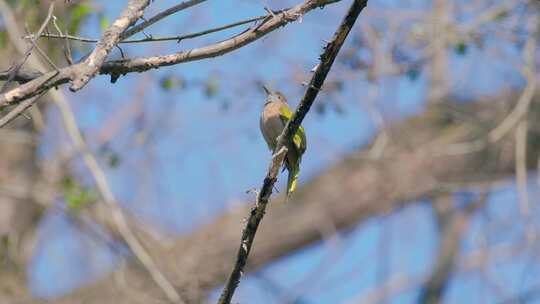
<point>274,117</point>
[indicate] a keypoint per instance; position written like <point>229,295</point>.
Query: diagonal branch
<point>111,36</point>
<point>257,212</point>
<point>177,38</point>
<point>271,23</point>
<point>116,68</point>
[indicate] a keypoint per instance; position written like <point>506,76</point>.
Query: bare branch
<point>155,39</point>
<point>18,110</point>
<point>257,212</point>
<point>141,64</point>
<point>525,99</point>
<point>110,38</point>
<point>119,67</point>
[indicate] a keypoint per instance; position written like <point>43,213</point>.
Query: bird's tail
<point>293,176</point>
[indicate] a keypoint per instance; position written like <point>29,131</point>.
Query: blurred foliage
<point>69,16</point>
<point>76,195</point>
<point>172,81</point>
<point>211,86</point>
<point>79,12</point>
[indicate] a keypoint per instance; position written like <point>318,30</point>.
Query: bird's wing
<point>299,138</point>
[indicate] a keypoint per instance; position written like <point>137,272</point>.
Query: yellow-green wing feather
<point>299,137</point>
<point>299,140</point>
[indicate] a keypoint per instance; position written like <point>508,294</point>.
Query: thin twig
<point>257,212</point>
<point>115,68</point>
<point>521,167</point>
<point>28,52</point>
<point>40,51</point>
<point>67,47</point>
<point>147,22</point>
<point>18,110</point>
<point>526,97</point>
<point>156,39</point>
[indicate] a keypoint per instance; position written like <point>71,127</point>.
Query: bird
<point>274,116</point>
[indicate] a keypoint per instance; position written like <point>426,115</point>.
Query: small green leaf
<point>76,195</point>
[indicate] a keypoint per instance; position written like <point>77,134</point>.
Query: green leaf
<point>75,195</point>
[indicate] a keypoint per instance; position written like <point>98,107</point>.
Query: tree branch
<point>119,67</point>
<point>155,39</point>
<point>110,38</point>
<point>269,24</point>
<point>257,212</point>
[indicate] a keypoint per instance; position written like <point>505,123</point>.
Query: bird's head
<point>274,96</point>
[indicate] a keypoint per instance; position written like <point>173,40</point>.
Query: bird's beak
<point>267,90</point>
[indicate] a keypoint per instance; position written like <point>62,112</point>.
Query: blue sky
<point>181,143</point>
